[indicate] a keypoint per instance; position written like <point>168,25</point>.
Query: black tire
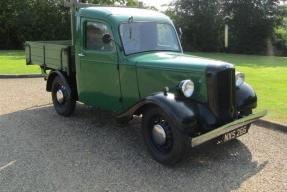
<point>68,104</point>
<point>176,143</point>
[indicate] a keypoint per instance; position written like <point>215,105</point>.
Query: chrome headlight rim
<point>187,87</point>
<point>239,78</point>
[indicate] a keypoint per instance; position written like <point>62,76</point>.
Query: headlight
<point>187,87</point>
<point>240,78</point>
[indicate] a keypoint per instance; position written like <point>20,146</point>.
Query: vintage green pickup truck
<point>130,61</point>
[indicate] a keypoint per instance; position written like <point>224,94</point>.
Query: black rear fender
<point>51,78</point>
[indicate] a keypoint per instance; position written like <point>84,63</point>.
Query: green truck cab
<point>130,61</point>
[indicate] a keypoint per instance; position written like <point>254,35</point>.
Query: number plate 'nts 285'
<point>235,133</point>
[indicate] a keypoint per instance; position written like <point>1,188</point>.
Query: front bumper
<point>226,128</point>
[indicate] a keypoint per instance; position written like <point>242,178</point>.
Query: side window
<point>94,37</point>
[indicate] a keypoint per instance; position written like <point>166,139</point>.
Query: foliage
<point>32,20</point>
<point>281,32</point>
<point>201,23</point>
<point>38,20</point>
<point>256,26</point>
<point>252,24</point>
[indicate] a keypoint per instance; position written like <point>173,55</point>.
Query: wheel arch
<point>52,75</point>
<point>182,112</point>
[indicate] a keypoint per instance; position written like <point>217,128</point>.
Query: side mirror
<point>107,38</point>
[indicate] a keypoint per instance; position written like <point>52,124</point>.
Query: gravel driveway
<point>41,151</point>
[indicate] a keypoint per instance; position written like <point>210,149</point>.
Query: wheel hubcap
<point>159,134</point>
<point>60,96</point>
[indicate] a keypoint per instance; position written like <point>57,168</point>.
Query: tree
<point>201,23</point>
<point>38,20</point>
<point>281,31</point>
<point>252,24</point>
<point>10,16</point>
<point>32,20</point>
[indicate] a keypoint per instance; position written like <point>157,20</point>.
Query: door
<point>97,73</point>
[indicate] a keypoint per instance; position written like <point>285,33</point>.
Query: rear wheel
<point>164,141</point>
<point>63,97</point>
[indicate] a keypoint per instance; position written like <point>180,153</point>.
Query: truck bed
<point>55,55</point>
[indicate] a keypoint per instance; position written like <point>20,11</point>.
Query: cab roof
<point>122,14</point>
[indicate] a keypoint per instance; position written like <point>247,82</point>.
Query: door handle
<point>81,55</point>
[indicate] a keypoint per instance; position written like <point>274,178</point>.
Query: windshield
<point>148,36</point>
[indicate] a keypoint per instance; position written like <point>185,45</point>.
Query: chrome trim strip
<point>226,128</point>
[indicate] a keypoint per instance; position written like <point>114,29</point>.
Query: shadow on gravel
<point>90,152</point>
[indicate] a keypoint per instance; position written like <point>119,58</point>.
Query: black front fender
<point>182,112</point>
<point>246,98</point>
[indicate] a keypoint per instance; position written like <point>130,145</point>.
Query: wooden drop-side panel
<point>52,54</point>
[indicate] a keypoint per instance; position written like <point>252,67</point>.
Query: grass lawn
<point>13,62</point>
<point>267,75</point>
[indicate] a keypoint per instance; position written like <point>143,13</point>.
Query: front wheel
<point>164,141</point>
<point>63,98</point>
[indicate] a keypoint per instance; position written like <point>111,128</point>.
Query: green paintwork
<point>114,81</point>
<point>52,51</point>
<point>167,69</point>
<point>97,75</point>
<point>108,93</point>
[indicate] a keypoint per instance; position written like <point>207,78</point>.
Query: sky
<point>156,3</point>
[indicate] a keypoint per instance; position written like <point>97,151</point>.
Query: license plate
<point>235,133</point>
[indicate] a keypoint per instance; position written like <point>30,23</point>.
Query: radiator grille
<point>221,94</point>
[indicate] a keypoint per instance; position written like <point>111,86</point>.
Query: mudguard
<point>51,77</point>
<point>245,97</point>
<point>182,112</point>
